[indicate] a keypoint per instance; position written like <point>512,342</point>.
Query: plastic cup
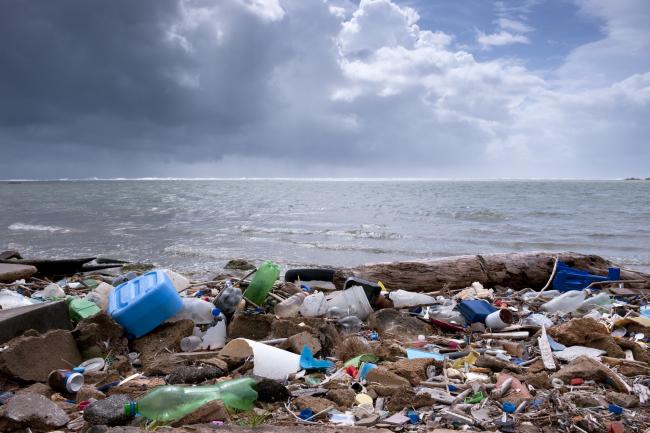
<point>499,319</point>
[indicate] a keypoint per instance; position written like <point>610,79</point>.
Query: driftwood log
<point>515,270</point>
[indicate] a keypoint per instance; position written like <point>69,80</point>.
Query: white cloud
<point>514,25</point>
<point>501,38</point>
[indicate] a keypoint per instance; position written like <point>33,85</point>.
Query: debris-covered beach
<point>531,342</point>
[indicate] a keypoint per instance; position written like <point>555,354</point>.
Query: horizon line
<point>324,179</point>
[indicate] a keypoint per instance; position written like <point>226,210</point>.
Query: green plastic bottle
<point>262,282</point>
<point>173,402</point>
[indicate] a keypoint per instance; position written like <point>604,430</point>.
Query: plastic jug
<point>215,337</point>
<point>402,298</point>
<point>352,300</point>
<point>267,274</point>
<point>199,311</point>
<point>143,303</point>
<point>172,402</point>
<point>290,307</point>
<point>314,305</point>
<point>565,303</point>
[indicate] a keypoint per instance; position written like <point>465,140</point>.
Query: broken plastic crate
<point>568,278</point>
<point>143,303</point>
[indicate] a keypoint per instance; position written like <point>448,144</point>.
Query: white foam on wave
<point>38,228</point>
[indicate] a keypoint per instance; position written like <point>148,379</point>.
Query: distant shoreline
<point>326,179</point>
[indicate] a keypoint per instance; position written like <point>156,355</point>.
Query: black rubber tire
<point>309,275</point>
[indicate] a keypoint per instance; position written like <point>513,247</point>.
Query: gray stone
<point>109,411</point>
<point>36,412</point>
<point>41,317</point>
<point>191,374</point>
<point>239,264</point>
<point>394,324</point>
<point>10,272</point>
<point>32,358</point>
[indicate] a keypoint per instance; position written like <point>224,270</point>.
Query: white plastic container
<point>215,337</point>
<point>353,300</point>
<point>565,303</point>
<point>402,298</point>
<point>314,305</point>
<point>191,343</point>
<point>290,307</point>
<point>499,319</point>
<point>100,295</point>
<point>197,310</point>
<point>600,302</point>
<point>180,282</point>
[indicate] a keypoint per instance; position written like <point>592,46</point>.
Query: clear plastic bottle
<point>566,303</point>
<point>195,309</point>
<point>228,299</point>
<point>99,296</point>
<point>191,343</point>
<point>402,298</point>
<point>265,276</point>
<point>215,337</point>
<point>172,402</point>
<point>600,302</point>
<point>350,324</point>
<point>290,306</point>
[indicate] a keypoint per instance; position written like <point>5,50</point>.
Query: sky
<point>324,88</point>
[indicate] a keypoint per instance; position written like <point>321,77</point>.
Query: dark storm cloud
<point>215,88</point>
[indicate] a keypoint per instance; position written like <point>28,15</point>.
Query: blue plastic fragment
<point>306,413</point>
<point>555,346</point>
<point>509,407</point>
<point>616,410</point>
<point>568,278</point>
<point>422,354</point>
<point>308,362</point>
<point>374,336</point>
<point>413,416</point>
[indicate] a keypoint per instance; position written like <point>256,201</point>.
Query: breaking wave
<point>38,228</point>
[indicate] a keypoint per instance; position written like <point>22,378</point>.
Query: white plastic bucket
<point>353,300</point>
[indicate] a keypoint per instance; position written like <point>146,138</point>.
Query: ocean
<point>196,226</point>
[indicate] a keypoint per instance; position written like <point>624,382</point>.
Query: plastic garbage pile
<point>152,348</point>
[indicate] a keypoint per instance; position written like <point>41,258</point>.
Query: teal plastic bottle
<point>173,402</point>
<point>262,282</point>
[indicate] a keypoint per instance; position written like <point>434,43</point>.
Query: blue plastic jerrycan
<point>143,303</point>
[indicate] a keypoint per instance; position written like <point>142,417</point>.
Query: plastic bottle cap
<point>216,312</point>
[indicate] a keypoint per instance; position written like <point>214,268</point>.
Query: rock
<point>587,332</point>
<point>518,391</point>
<point>100,332</point>
<point>10,272</point>
<point>37,388</point>
<point>109,411</point>
<point>254,327</point>
<point>214,410</point>
<point>640,353</point>
<point>627,401</point>
<point>626,368</point>
<point>153,345</point>
<point>407,398</point>
<point>271,391</point>
<point>239,264</point>
<point>495,364</point>
<point>324,331</point>
<point>317,404</point>
<point>40,317</point>
<point>32,358</point>
<point>414,370</point>
<point>36,412</point>
<point>368,421</point>
<point>386,383</point>
<point>352,346</point>
<point>343,397</point>
<point>590,369</point>
<point>295,343</point>
<point>390,323</point>
<point>190,374</point>
<point>539,380</point>
<point>89,391</point>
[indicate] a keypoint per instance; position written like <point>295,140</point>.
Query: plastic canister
<point>65,381</point>
<point>353,299</point>
<point>402,298</point>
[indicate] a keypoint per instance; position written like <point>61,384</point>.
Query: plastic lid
<point>216,311</point>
